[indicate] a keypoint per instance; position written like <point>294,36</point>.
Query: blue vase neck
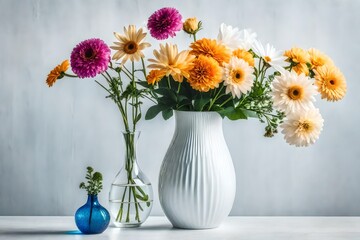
<point>93,199</point>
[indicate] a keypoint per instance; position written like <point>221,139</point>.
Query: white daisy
<point>233,38</point>
<point>274,58</point>
<point>238,77</point>
<point>302,129</point>
<point>293,93</point>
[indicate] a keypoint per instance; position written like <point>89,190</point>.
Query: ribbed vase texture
<point>197,179</point>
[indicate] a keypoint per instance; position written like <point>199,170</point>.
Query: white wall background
<point>48,136</point>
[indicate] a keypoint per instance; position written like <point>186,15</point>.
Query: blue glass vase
<point>92,218</point>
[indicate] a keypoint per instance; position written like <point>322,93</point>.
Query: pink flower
<point>164,23</point>
<point>90,57</point>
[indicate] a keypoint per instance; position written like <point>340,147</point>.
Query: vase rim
<point>183,111</point>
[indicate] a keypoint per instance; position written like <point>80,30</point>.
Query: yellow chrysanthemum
<point>155,76</point>
<point>171,62</point>
<point>205,75</point>
<point>301,68</point>
<point>57,72</point>
<point>297,55</point>
<point>245,55</point>
<point>191,25</point>
<point>318,59</point>
<point>130,45</point>
<point>330,82</point>
<point>211,48</point>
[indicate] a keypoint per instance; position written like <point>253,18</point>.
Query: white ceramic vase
<point>197,178</point>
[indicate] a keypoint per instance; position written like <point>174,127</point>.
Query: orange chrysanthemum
<point>301,68</point>
<point>297,55</point>
<point>211,48</point>
<point>155,76</point>
<point>245,55</point>
<point>205,75</point>
<point>330,82</point>
<point>57,72</point>
<point>318,59</point>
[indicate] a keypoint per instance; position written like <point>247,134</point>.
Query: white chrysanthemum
<point>302,129</point>
<point>248,38</point>
<point>233,38</point>
<point>274,58</point>
<point>238,77</point>
<point>293,93</point>
<point>229,36</point>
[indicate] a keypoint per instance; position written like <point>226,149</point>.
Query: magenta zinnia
<point>164,23</point>
<point>90,57</point>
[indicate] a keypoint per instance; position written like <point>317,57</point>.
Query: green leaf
<point>249,113</point>
<point>233,113</point>
<point>153,111</point>
<point>144,84</point>
<point>166,92</point>
<point>200,102</point>
<point>167,113</point>
<point>138,117</point>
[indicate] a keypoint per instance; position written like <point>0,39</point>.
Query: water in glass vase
<point>131,194</point>
<point>130,211</point>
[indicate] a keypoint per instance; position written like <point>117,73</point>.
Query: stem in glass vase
<point>130,158</point>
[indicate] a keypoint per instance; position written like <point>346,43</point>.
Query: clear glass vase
<point>131,194</point>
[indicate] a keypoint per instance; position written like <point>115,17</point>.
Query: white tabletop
<point>158,228</point>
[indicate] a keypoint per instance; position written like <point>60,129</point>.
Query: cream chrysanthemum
<point>330,82</point>
<point>293,93</point>
<point>302,128</point>
<point>130,45</point>
<point>318,59</point>
<point>270,55</point>
<point>174,63</point>
<point>238,77</point>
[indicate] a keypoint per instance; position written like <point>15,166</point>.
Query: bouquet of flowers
<point>239,77</point>
<point>233,74</point>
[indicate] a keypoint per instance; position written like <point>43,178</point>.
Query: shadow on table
<point>39,232</point>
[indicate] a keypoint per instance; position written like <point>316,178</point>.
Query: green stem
<point>215,98</point>
<point>129,204</point>
<point>227,100</point>
<point>194,36</point>
<point>137,217</point>
<point>144,68</point>
<point>179,87</point>
<point>119,216</point>
<point>168,81</point>
<point>69,75</point>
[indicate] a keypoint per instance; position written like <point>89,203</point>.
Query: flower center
<point>237,75</point>
<point>89,53</point>
<point>130,47</point>
<point>295,92</point>
<point>305,126</point>
<point>267,59</point>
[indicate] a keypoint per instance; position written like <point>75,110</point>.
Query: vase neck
<point>130,140</point>
<point>198,121</point>
<point>92,199</point>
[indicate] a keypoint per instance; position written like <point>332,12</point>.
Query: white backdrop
<point>48,136</point>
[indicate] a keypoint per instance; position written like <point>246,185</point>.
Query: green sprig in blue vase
<point>92,218</point>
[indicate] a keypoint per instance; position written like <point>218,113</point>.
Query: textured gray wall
<point>48,136</point>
